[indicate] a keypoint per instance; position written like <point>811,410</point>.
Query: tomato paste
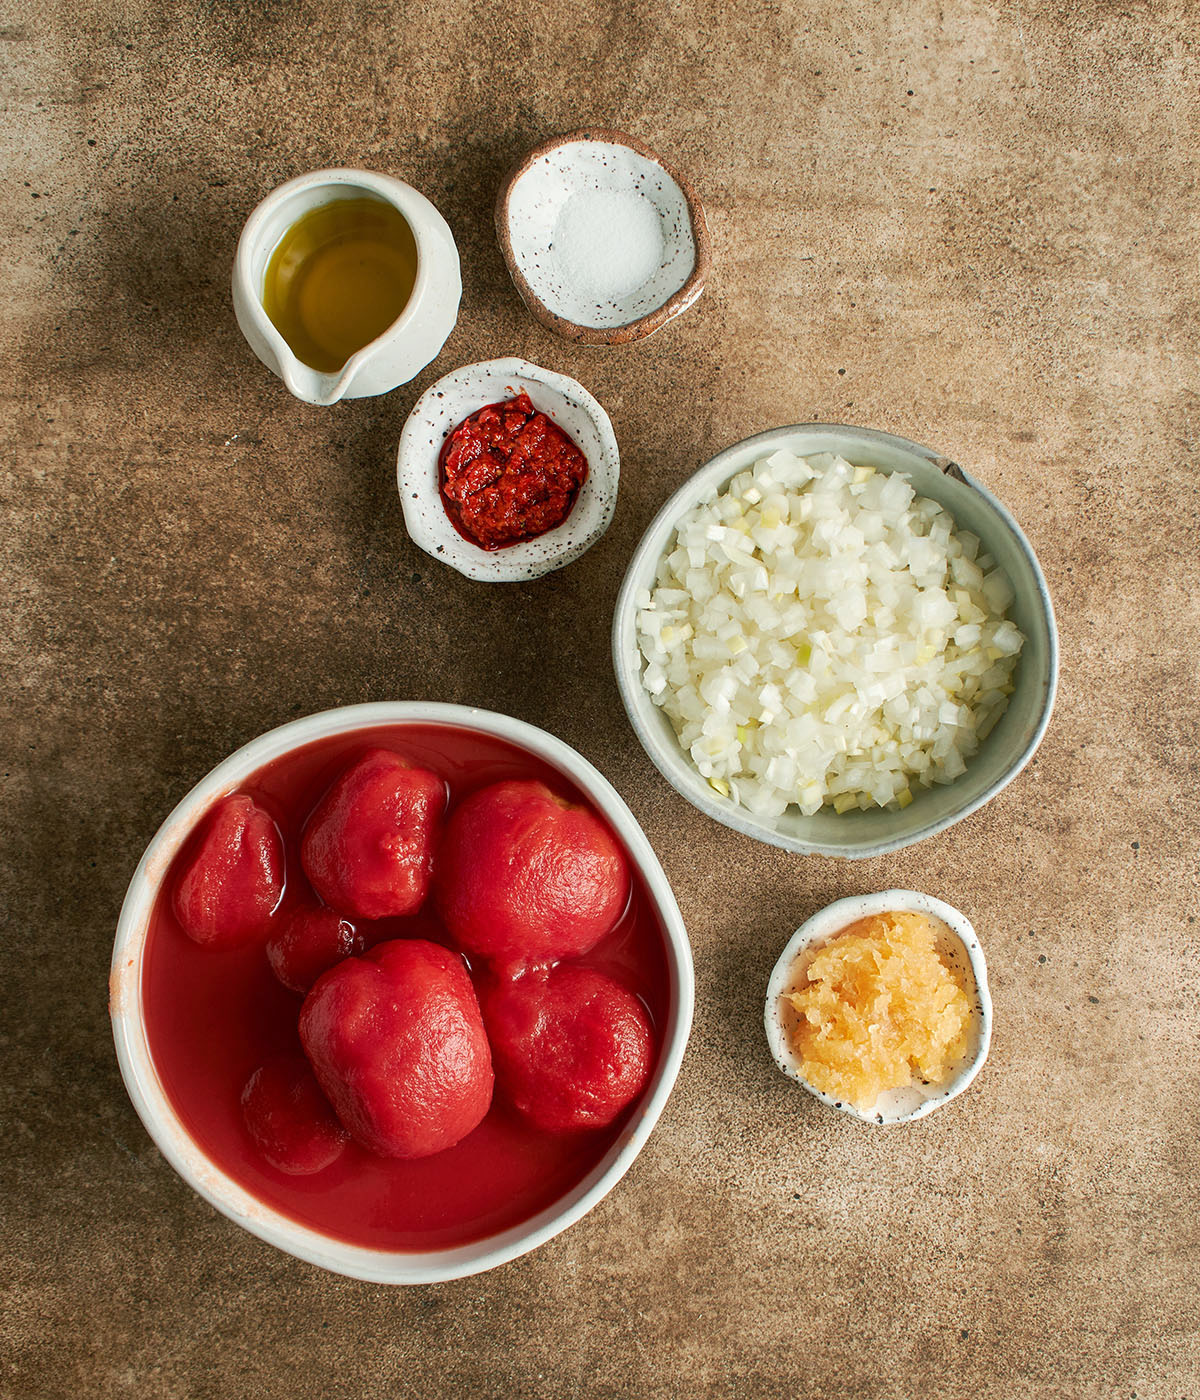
<point>509,474</point>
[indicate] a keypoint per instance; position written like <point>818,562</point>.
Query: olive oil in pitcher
<point>340,276</point>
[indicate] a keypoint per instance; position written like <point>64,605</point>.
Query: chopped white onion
<point>820,635</point>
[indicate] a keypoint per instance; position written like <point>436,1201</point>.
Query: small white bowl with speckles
<point>604,241</point>
<point>443,406</point>
<point>958,946</point>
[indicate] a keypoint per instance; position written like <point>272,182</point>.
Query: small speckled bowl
<point>603,239</point>
<point>959,947</point>
<point>443,406</point>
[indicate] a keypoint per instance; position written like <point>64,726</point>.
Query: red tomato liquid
<point>214,1015</point>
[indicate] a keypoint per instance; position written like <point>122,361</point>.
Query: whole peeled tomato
<point>524,877</point>
<point>234,880</point>
<point>571,1046</point>
<point>289,1119</point>
<point>308,942</point>
<point>368,846</point>
<point>396,1041</point>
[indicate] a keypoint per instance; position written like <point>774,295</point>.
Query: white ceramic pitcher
<point>408,344</point>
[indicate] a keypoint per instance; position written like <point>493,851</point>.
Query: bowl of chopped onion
<point>835,641</point>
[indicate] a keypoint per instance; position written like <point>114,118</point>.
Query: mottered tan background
<point>973,224</point>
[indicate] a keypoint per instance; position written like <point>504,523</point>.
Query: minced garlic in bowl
<point>878,1009</point>
<point>879,1005</point>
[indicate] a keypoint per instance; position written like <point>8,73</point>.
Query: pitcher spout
<point>311,386</point>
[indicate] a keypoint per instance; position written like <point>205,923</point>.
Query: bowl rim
<point>629,684</point>
<point>530,559</point>
<point>641,326</point>
<point>153,1107</point>
<point>830,920</point>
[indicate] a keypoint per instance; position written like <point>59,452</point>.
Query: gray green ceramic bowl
<point>1007,749</point>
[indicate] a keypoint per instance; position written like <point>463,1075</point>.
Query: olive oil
<point>340,276</point>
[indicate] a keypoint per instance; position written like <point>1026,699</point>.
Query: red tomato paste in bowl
<point>509,474</point>
<point>216,1014</point>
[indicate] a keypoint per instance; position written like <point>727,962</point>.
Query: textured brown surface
<point>973,224</point>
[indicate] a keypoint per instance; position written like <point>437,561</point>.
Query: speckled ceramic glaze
<point>959,948</point>
<point>604,241</point>
<point>1002,755</point>
<point>444,406</point>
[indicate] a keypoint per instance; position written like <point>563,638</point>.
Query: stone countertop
<point>974,225</point>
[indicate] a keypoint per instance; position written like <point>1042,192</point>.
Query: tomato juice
<point>213,1015</point>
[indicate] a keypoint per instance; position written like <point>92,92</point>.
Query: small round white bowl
<point>220,1190</point>
<point>960,947</point>
<point>443,406</point>
<point>1007,749</point>
<point>604,241</point>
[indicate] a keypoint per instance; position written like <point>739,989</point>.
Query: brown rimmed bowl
<point>603,239</point>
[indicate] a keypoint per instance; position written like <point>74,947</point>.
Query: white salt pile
<point>606,244</point>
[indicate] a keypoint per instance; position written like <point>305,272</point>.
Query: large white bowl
<point>1002,755</point>
<point>220,1190</point>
